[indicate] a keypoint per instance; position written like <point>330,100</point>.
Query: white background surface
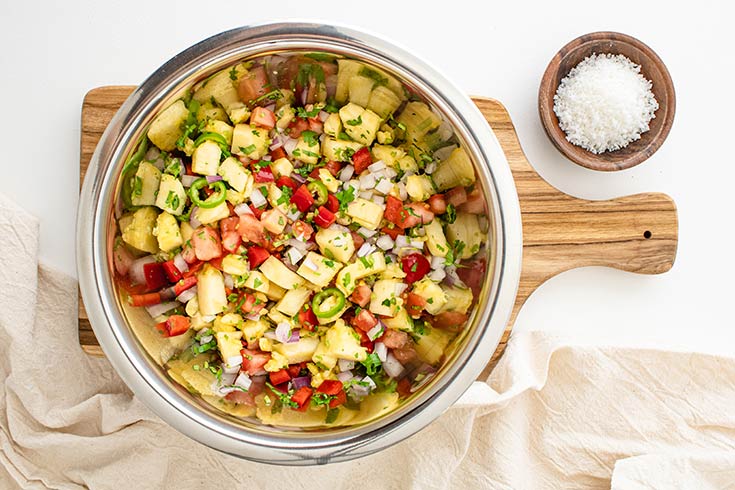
<point>53,53</point>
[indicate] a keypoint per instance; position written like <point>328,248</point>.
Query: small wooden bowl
<point>651,67</point>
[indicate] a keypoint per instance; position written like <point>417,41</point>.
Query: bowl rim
<point>135,367</point>
<point>550,123</point>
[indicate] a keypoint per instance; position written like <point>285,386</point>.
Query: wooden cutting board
<point>636,233</point>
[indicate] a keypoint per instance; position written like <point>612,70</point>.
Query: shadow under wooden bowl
<point>651,67</point>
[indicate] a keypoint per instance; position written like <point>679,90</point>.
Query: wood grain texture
<point>652,67</point>
<point>635,233</point>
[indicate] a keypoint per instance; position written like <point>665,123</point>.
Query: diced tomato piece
<point>286,181</point>
<point>147,299</point>
<point>241,397</point>
<point>302,396</point>
<point>188,169</point>
<point>392,232</point>
<point>231,238</point>
<point>264,174</point>
<point>365,341</point>
<point>252,230</point>
<point>361,295</point>
<point>257,255</point>
<point>324,217</point>
<point>473,275</point>
<point>278,153</point>
<point>193,268</point>
<point>279,377</point>
<point>206,243</point>
<point>297,126</point>
<point>302,198</point>
<point>394,339</point>
<point>416,266</point>
<point>405,354</point>
<point>253,86</point>
<point>307,318</point>
<point>415,304</point>
<point>187,252</point>
<point>216,263</point>
<point>394,211</point>
<point>294,370</point>
<point>437,204</point>
<point>417,213</point>
<point>176,325</point>
<point>263,117</point>
<point>403,388</point>
<point>330,387</point>
<point>302,229</point>
<point>364,320</point>
<point>456,196</point>
<point>451,320</point>
<point>332,203</point>
<point>253,360</point>
<point>172,272</point>
<point>248,303</point>
<point>333,167</point>
<point>257,212</point>
<point>361,160</point>
<point>339,399</point>
<point>475,203</point>
<point>357,239</point>
<point>316,125</point>
<point>184,284</point>
<point>155,277</point>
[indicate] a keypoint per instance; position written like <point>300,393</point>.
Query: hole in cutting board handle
<point>647,234</point>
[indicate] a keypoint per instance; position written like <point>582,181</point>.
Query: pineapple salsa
<point>307,236</point>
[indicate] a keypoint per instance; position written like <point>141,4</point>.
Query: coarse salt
<point>604,103</point>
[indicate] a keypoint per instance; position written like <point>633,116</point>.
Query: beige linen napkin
<point>553,415</point>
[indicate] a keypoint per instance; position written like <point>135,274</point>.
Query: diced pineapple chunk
<point>318,269</point>
<point>210,112</point>
<point>435,239</point>
<point>227,323</point>
<point>171,195</point>
<point>300,351</point>
<point>458,299</point>
<point>221,128</point>
<point>366,266</point>
<point>166,127</point>
<point>282,168</point>
<point>307,148</point>
<point>211,215</point>
<point>277,272</point>
<point>235,174</point>
<point>456,170</point>
<point>139,233</point>
<point>328,180</point>
<point>211,293</point>
<point>431,345</point>
<point>229,346</point>
<point>360,124</point>
<point>277,362</point>
<point>221,88</point>
<point>293,300</point>
<point>418,119</point>
<point>335,244</point>
<point>344,342</point>
<point>275,292</point>
<point>284,116</point>
<point>346,71</point>
<point>323,357</point>
<point>205,160</point>
<point>257,281</point>
<point>383,300</point>
<point>466,231</point>
<point>252,330</point>
<point>388,154</point>
<point>394,270</point>
<point>419,187</point>
<point>339,150</point>
<point>235,265</point>
<point>333,125</point>
<point>147,181</point>
<point>383,101</point>
<point>365,213</point>
<point>432,293</point>
<point>167,232</point>
<point>360,88</point>
<point>249,141</point>
<point>401,321</point>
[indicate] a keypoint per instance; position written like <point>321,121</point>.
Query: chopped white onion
<point>367,195</point>
<point>402,193</point>
<point>161,308</point>
<point>243,381</point>
<point>367,182</point>
<point>323,115</point>
<point>366,232</point>
<point>294,255</point>
<point>233,361</point>
<point>379,200</point>
<point>277,143</point>
<point>346,173</point>
<point>430,168</point>
<point>293,214</point>
<point>180,263</point>
<point>242,209</point>
<point>376,331</point>
<point>437,275</point>
<point>416,244</point>
<point>345,365</point>
<point>390,173</point>
<point>376,166</point>
<point>266,158</point>
<point>401,242</point>
<point>257,198</point>
<point>437,262</point>
<point>206,339</point>
<point>400,288</point>
<point>392,367</point>
<point>290,145</point>
<point>345,376</point>
<point>137,270</point>
<point>187,295</point>
<point>384,186</point>
<point>193,220</point>
<point>253,316</point>
<point>229,281</point>
<point>231,369</point>
<point>187,180</point>
<point>283,332</point>
<point>371,384</point>
<point>365,249</point>
<point>385,242</point>
<point>380,350</point>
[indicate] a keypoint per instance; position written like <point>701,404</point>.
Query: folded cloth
<point>552,414</point>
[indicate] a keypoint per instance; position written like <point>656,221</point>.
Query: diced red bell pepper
<point>307,318</point>
<point>416,266</point>
<point>264,174</point>
<point>216,263</point>
<point>147,299</point>
<point>155,277</point>
<point>257,212</point>
<point>330,387</point>
<point>332,203</point>
<point>364,320</point>
<point>279,377</point>
<point>278,153</point>
<point>361,160</point>
<point>263,117</point>
<point>287,181</point>
<point>174,325</point>
<point>257,255</point>
<point>357,239</point>
<point>253,360</point>
<point>302,198</point>
<point>365,341</point>
<point>339,399</point>
<point>231,238</point>
<point>392,232</point>
<point>247,304</point>
<point>294,370</point>
<point>184,284</point>
<point>394,211</point>
<point>324,217</point>
<point>302,396</point>
<point>172,272</point>
<point>193,269</point>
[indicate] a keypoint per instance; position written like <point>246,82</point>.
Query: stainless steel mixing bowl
<point>249,439</point>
